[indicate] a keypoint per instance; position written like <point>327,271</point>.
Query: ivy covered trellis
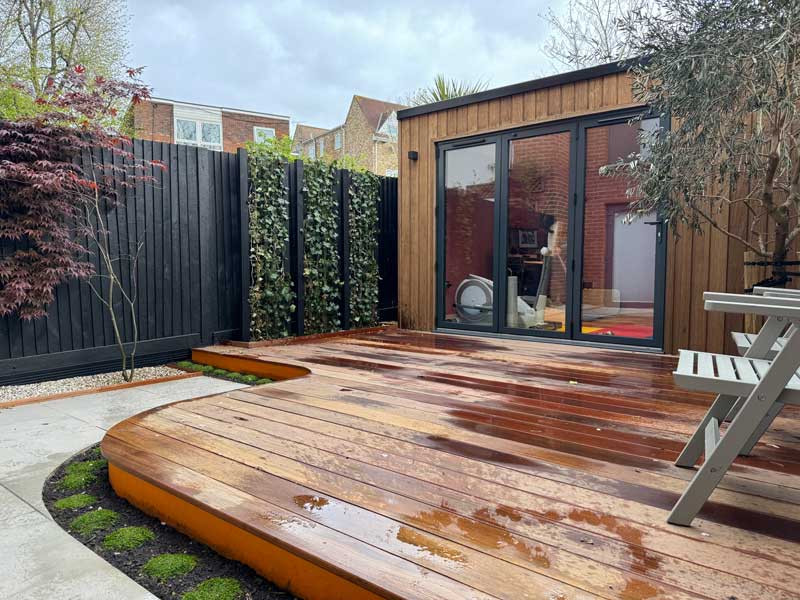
<point>271,295</point>
<point>363,228</point>
<point>272,299</point>
<point>322,281</point>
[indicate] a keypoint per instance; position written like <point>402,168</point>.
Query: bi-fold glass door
<point>533,240</point>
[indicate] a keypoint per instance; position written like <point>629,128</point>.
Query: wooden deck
<point>412,465</point>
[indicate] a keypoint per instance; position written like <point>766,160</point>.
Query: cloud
<point>306,58</point>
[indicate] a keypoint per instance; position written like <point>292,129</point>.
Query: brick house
<point>368,134</point>
<point>213,127</point>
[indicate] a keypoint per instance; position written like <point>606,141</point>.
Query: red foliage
<point>44,191</point>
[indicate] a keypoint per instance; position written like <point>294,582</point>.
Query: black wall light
<point>413,155</point>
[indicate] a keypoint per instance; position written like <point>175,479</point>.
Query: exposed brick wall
<point>385,157</point>
<point>237,128</point>
<point>153,121</point>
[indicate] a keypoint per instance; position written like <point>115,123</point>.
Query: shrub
<point>81,474</point>
<point>128,538</point>
<point>218,372</point>
<point>75,502</point>
<point>249,378</point>
<point>206,368</point>
<point>235,377</point>
<point>95,520</point>
<point>186,364</point>
<point>169,566</point>
<point>217,588</point>
<point>263,381</point>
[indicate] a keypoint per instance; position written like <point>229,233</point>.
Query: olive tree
<point>727,73</point>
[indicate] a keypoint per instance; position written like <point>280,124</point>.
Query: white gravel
<point>72,384</point>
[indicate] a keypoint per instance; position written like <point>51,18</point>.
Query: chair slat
<point>745,370</point>
<point>705,364</point>
<point>725,367</point>
<point>686,362</point>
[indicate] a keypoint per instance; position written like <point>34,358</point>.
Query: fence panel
<point>189,290</point>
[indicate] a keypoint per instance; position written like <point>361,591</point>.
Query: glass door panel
<point>469,240</point>
<point>537,233</point>
<point>619,266</point>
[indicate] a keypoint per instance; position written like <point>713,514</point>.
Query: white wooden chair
<point>744,341</point>
<point>764,385</point>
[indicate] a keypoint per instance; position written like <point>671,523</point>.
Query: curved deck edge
<point>286,570</point>
<point>243,364</point>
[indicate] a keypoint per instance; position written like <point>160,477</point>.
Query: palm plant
<point>443,88</point>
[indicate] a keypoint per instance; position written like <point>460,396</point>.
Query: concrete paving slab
<point>38,559</point>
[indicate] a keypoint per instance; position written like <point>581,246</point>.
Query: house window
<point>185,131</point>
<point>198,133</point>
<point>322,147</point>
<point>311,151</point>
<point>337,140</point>
<point>262,134</point>
<point>391,172</point>
<point>211,134</point>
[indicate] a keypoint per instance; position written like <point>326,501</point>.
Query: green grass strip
<point>94,520</point>
<point>169,566</point>
<point>128,538</point>
<point>75,501</point>
<point>216,588</point>
<point>81,474</point>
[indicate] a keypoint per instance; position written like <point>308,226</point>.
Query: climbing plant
<point>363,229</point>
<point>271,294</point>
<point>321,264</point>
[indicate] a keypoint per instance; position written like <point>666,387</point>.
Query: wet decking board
<point>412,465</point>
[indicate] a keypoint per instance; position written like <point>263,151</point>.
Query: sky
<point>307,58</point>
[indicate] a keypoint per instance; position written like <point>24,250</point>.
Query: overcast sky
<point>306,58</point>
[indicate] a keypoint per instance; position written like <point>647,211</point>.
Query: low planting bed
<point>166,562</point>
<point>212,371</point>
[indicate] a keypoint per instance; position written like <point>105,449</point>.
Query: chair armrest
<point>761,290</point>
<point>755,307</point>
<point>751,299</point>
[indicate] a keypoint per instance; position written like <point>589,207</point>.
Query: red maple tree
<point>49,175</point>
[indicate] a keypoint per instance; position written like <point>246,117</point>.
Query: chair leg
<point>735,410</point>
<point>696,444</point>
<point>719,460</point>
<point>747,449</point>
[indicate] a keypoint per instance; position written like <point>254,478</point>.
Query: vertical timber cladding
<point>590,91</point>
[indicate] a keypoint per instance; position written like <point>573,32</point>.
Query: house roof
<point>376,111</point>
<point>303,133</point>
<point>519,88</point>
<point>220,108</point>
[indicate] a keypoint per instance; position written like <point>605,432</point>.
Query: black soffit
<point>520,88</point>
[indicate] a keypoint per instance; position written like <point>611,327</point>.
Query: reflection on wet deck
<point>429,466</point>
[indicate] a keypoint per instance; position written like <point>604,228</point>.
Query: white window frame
<point>337,139</point>
<point>198,129</point>
<point>312,150</point>
<point>257,129</point>
<point>322,147</point>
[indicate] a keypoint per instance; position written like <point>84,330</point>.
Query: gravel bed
<point>167,540</point>
<point>73,384</point>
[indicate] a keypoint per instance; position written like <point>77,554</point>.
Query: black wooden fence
<point>192,223</point>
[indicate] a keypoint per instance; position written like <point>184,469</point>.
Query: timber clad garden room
<point>504,195</point>
<point>555,358</point>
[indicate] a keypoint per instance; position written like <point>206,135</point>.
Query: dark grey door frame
<point>577,181</point>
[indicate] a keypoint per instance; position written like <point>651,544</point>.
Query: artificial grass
<point>216,588</point>
<point>128,538</point>
<point>94,520</point>
<point>81,474</point>
<point>75,501</point>
<point>247,378</point>
<point>169,566</point>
